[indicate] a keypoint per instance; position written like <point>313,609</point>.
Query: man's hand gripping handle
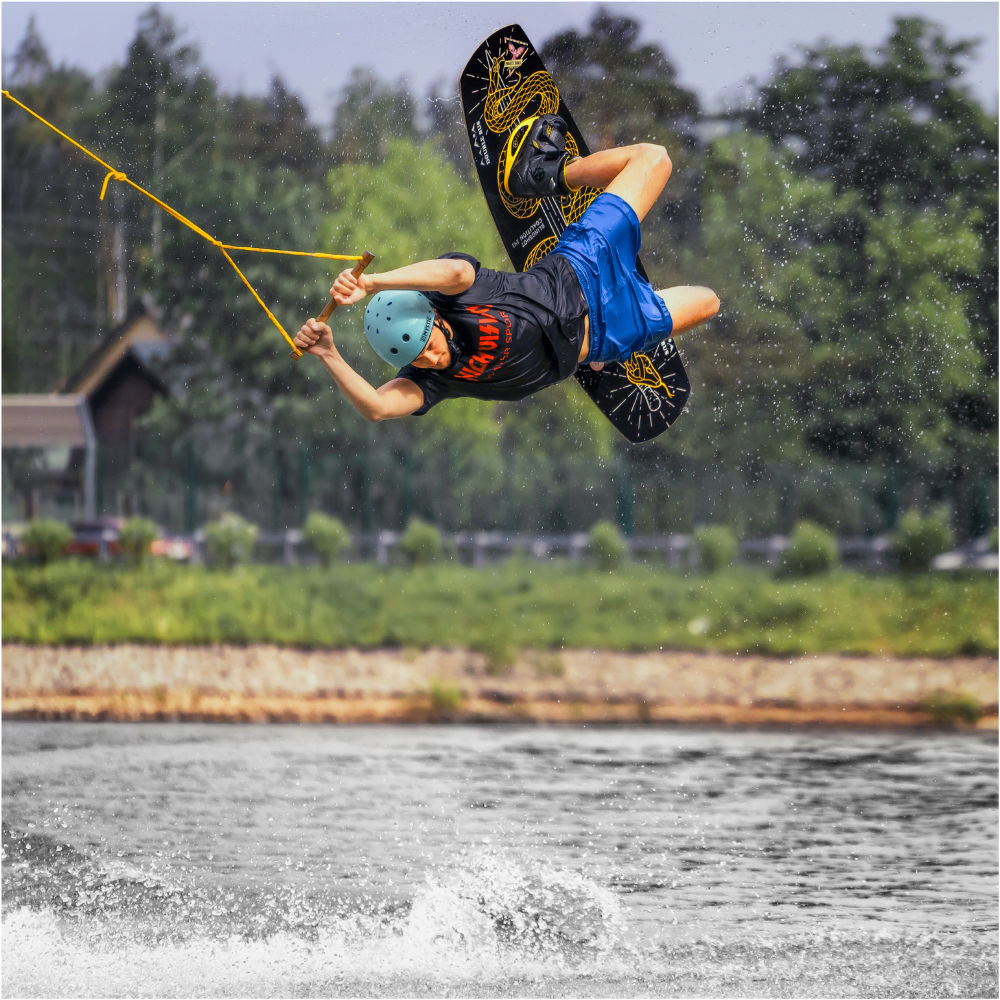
<point>366,258</point>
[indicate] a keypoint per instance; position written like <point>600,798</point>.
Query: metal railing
<point>483,548</point>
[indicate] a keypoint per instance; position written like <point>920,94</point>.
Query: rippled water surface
<point>189,860</point>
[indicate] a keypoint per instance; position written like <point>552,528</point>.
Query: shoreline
<point>261,684</point>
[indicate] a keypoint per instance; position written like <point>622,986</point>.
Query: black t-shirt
<point>515,333</point>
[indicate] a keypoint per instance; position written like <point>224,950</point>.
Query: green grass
<point>517,605</point>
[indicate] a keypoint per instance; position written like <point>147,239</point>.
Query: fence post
<point>190,489</point>
<point>384,541</point>
<point>626,496</point>
<point>290,543</point>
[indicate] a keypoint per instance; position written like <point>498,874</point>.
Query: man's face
<point>436,354</point>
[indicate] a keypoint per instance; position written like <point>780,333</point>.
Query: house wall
<point>125,395</point>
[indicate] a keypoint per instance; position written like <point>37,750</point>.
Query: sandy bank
<point>263,683</point>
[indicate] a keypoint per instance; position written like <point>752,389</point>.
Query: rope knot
<point>112,175</point>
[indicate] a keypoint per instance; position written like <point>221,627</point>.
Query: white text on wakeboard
<point>479,149</point>
<point>528,236</point>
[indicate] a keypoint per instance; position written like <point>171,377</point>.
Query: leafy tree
<point>413,206</point>
<point>368,117</point>
<point>164,106</point>
<point>240,409</point>
<point>909,344</point>
<point>900,119</point>
<point>273,131</point>
<point>845,333</point>
<point>901,123</point>
<point>51,231</point>
<point>853,244</point>
<point>30,64</point>
<point>769,247</point>
<point>161,101</point>
<point>619,90</point>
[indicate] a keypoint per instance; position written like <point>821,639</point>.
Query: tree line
<point>846,215</point>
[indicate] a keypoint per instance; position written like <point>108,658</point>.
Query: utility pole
<point>117,278</point>
<point>159,128</point>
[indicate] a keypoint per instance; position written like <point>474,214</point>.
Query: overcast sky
<point>716,47</point>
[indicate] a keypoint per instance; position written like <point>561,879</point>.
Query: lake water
<point>195,860</point>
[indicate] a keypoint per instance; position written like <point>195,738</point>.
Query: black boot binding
<point>537,158</point>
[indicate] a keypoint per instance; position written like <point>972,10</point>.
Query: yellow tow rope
<point>117,175</point>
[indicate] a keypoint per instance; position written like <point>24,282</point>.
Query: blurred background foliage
<point>847,217</point>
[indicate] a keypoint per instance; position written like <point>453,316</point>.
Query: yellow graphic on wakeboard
<point>640,371</point>
<point>505,107</point>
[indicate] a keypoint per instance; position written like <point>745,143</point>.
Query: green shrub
<point>811,550</point>
<point>230,540</point>
<point>327,535</point>
<point>949,709</point>
<point>136,538</point>
<point>499,652</point>
<point>607,547</point>
<point>57,587</point>
<point>46,540</point>
<point>920,538</point>
<point>548,665</point>
<point>421,543</point>
<point>446,699</point>
<point>717,547</point>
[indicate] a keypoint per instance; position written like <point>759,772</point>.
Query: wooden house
<point>73,447</point>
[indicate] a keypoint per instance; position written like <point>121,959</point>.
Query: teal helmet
<point>398,325</point>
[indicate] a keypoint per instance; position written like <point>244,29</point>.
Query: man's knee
<point>640,180</point>
<point>712,302</point>
<point>690,305</point>
<point>656,158</point>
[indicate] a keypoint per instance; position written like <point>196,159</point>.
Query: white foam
<point>492,918</point>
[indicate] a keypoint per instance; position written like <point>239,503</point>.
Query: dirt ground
<point>264,683</point>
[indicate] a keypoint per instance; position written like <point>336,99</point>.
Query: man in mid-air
<point>455,328</point>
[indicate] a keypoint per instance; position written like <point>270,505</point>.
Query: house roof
<point>139,335</point>
<point>62,418</point>
<point>44,421</point>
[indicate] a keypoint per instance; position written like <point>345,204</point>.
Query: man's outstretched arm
<point>397,398</point>
<point>449,276</point>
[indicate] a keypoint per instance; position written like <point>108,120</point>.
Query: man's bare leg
<point>637,174</point>
<point>688,305</point>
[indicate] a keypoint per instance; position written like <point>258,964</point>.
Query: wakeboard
<point>504,83</point>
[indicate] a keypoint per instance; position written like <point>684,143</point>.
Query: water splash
<point>76,927</point>
<point>495,902</point>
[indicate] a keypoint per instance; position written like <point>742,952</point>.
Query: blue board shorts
<point>626,314</point>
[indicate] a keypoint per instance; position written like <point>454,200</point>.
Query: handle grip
<point>366,258</point>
